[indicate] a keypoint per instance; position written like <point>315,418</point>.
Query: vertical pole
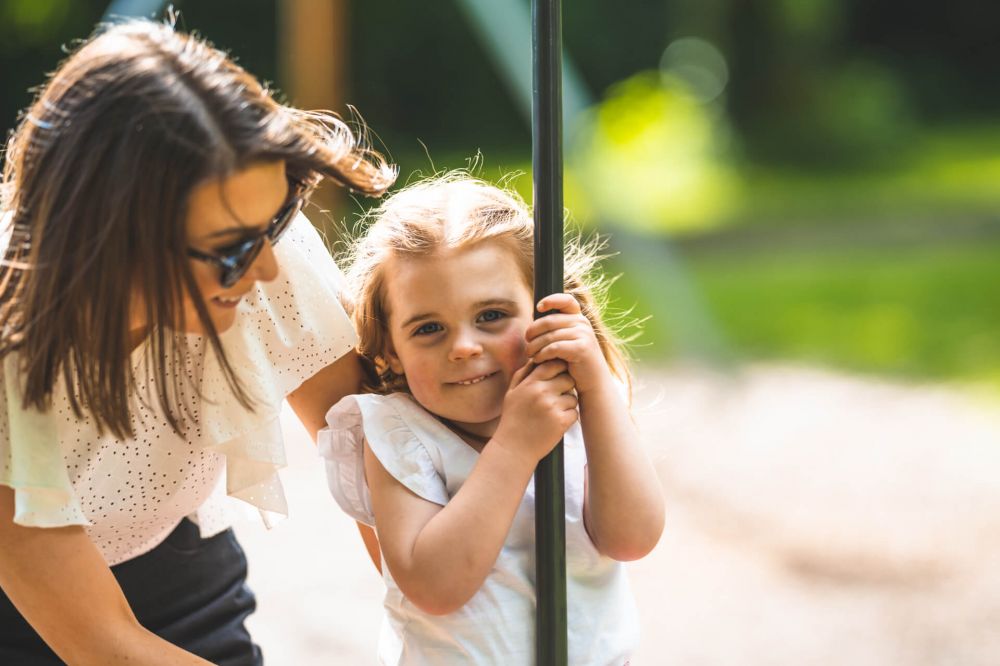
<point>547,167</point>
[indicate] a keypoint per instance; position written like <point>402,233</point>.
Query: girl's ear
<point>392,359</point>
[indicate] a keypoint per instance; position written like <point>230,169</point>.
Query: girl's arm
<point>623,502</point>
<point>58,581</point>
<point>440,556</point>
<point>623,505</point>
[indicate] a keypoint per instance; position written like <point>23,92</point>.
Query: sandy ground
<point>813,519</point>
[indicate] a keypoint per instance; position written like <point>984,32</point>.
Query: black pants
<point>188,590</point>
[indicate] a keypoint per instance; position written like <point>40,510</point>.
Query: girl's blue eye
<point>492,315</point>
<point>427,329</point>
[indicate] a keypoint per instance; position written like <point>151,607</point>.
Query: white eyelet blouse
<point>129,494</point>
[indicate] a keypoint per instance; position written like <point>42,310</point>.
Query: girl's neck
<point>474,439</point>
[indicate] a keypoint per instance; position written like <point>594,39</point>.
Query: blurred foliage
<point>653,157</point>
<point>829,176</point>
<point>912,312</point>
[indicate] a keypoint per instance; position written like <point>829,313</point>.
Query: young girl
<point>468,394</point>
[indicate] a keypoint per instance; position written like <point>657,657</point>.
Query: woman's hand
<point>568,336</point>
<point>537,411</point>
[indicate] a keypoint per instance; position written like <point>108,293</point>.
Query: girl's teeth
<point>473,381</point>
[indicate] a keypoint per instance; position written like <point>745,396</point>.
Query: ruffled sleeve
<point>31,462</point>
<point>405,451</point>
<point>287,330</point>
<point>30,459</point>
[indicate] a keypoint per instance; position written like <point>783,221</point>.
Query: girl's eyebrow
<point>417,317</point>
<point>490,302</point>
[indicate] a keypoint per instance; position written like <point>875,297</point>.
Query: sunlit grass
<point>928,313</point>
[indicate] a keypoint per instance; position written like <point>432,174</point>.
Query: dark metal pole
<point>547,167</point>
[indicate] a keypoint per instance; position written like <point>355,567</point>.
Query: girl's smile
<point>475,380</point>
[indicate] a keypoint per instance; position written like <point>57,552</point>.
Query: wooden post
<point>312,56</point>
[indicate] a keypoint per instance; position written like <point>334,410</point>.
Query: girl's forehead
<point>454,278</point>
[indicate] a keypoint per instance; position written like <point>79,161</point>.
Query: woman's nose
<point>265,266</point>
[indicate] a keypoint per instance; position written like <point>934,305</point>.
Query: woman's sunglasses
<point>234,260</point>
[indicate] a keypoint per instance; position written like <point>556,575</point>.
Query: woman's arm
<point>314,398</point>
<point>58,581</point>
<point>440,556</point>
<point>623,504</point>
<point>319,393</point>
<point>370,539</point>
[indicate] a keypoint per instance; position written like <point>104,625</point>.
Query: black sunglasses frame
<point>233,262</point>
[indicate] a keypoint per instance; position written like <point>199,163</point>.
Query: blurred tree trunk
<point>312,59</point>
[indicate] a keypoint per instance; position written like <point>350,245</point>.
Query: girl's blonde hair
<point>455,211</point>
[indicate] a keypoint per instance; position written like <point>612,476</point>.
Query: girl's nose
<point>465,346</point>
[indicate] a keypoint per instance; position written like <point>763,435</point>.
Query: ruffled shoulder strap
<point>390,425</point>
<point>30,460</point>
<point>288,330</point>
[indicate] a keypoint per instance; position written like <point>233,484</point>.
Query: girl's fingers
<point>520,374</point>
<point>567,401</point>
<point>561,384</point>
<point>565,350</point>
<point>562,302</point>
<point>542,341</point>
<point>564,384</point>
<point>548,370</point>
<point>554,322</point>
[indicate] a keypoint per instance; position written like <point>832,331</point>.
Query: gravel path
<point>813,519</point>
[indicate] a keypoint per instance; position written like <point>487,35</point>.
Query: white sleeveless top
<point>130,494</point>
<point>496,626</point>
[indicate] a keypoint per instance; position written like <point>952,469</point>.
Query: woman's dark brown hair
<point>95,192</point>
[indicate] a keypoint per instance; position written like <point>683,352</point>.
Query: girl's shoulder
<point>412,446</point>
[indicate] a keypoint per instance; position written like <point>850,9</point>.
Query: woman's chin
<point>221,321</point>
<point>223,324</point>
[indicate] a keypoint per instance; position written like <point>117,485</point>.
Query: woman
<point>161,297</point>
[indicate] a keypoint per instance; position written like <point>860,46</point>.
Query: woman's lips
<point>227,302</point>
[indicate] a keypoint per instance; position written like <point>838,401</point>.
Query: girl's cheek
<point>419,375</point>
<point>515,343</point>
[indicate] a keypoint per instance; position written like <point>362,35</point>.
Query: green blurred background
<point>805,180</point>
